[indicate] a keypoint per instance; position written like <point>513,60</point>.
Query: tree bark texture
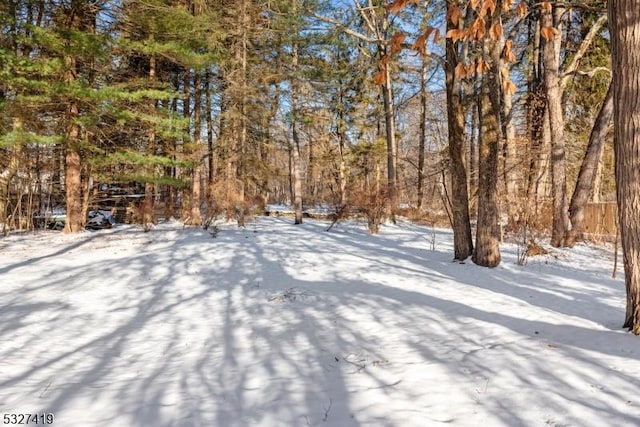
<point>624,27</point>
<point>73,163</point>
<point>487,249</point>
<point>390,132</point>
<point>462,239</point>
<point>509,158</point>
<point>588,169</point>
<point>296,169</point>
<point>423,132</point>
<point>196,177</point>
<point>551,57</point>
<point>147,204</point>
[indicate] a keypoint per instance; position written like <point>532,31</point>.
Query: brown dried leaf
<point>379,78</point>
<point>396,42</point>
<point>436,36</point>
<point>396,5</point>
<point>549,33</point>
<point>547,6</point>
<point>496,31</point>
<point>477,30</point>
<point>420,45</point>
<point>507,54</point>
<point>509,87</point>
<point>456,35</point>
<point>488,6</point>
<point>474,4</point>
<point>482,66</point>
<point>454,14</point>
<point>522,9</point>
<point>504,72</point>
<point>507,5</point>
<point>461,71</point>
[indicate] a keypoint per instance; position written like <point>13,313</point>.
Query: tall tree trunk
<point>551,53</point>
<point>296,160</point>
<point>597,180</point>
<point>73,161</point>
<point>473,153</point>
<point>171,150</point>
<point>242,149</point>
<point>462,240</point>
<point>186,140</point>
<point>147,204</point>
<point>390,132</point>
<point>423,132</point>
<point>588,169</point>
<point>341,130</point>
<point>624,27</point>
<point>536,118</point>
<point>296,165</point>
<point>487,248</point>
<point>209,118</point>
<point>311,171</point>
<point>509,173</point>
<point>8,174</point>
<point>196,215</point>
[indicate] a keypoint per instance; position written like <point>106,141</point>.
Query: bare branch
<point>345,29</point>
<point>582,50</point>
<point>594,71</point>
<point>364,15</point>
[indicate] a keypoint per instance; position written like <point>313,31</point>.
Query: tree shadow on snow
<point>289,325</point>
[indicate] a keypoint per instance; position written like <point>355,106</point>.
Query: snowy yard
<point>283,325</point>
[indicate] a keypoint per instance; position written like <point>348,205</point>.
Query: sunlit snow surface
<point>283,325</point>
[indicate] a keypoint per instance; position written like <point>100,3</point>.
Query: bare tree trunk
<point>86,180</point>
<point>196,214</point>
<point>296,157</point>
<point>241,161</point>
<point>597,180</point>
<point>624,27</point>
<point>509,159</point>
<point>423,133</point>
<point>390,126</point>
<point>210,154</point>
<point>551,53</point>
<point>7,176</point>
<point>473,153</point>
<point>73,162</point>
<point>296,174</point>
<point>311,171</point>
<point>342,164</point>
<point>147,204</point>
<point>170,150</point>
<point>536,118</point>
<point>588,169</point>
<point>487,248</point>
<point>186,140</point>
<point>462,240</point>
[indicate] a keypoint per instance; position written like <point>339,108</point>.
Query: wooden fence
<point>600,221</point>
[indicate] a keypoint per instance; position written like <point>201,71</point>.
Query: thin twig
<point>326,412</point>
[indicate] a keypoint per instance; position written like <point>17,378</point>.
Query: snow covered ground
<point>283,325</point>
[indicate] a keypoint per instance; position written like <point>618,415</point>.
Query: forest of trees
<point>488,115</point>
